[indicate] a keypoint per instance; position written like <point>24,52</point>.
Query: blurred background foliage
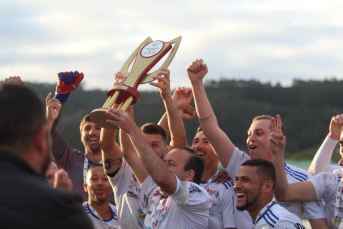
<point>306,108</point>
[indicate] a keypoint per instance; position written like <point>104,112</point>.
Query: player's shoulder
<point>226,186</point>
<point>278,217</point>
<point>296,173</point>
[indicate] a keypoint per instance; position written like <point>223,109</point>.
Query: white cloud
<point>267,40</point>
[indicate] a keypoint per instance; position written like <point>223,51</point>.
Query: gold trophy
<point>146,56</point>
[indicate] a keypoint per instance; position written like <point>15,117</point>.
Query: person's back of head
<point>22,116</point>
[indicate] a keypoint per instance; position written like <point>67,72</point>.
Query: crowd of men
<point>143,181</point>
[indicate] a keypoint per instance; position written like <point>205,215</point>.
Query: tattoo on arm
<point>110,162</point>
<point>203,119</point>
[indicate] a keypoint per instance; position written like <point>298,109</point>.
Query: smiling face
<point>257,140</point>
<point>90,136</point>
<point>247,188</point>
<point>97,186</point>
<point>203,148</point>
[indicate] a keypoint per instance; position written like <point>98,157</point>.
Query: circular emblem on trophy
<point>152,49</point>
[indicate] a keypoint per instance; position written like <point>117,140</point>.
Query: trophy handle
<point>148,77</point>
<point>125,68</point>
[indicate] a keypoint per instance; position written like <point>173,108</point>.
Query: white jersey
<point>129,198</point>
<point>98,222</point>
<point>273,215</point>
<point>223,209</point>
<point>170,212</point>
<point>311,209</point>
<point>326,186</point>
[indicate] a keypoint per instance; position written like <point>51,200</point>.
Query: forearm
<point>55,123</point>
<point>111,153</point>
<point>152,163</point>
<point>164,124</point>
<point>281,186</point>
<point>176,126</point>
<point>321,160</point>
<point>59,144</point>
<point>220,142</point>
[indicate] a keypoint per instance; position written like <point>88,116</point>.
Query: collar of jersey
<point>265,211</point>
<point>105,220</point>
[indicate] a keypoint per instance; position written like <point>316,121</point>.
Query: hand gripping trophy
<point>147,55</point>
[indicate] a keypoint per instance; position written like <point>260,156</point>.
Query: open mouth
<point>252,147</point>
<point>93,140</point>
<point>240,195</point>
<point>200,152</point>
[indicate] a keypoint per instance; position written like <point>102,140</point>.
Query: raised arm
<point>67,82</point>
<point>53,107</point>
<point>151,162</point>
<point>182,97</point>
<point>111,153</point>
<point>321,160</point>
<point>296,192</point>
<point>175,122</point>
<point>219,141</point>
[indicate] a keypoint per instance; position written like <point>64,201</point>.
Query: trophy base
<point>99,117</point>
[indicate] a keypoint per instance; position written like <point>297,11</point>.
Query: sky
<point>268,40</point>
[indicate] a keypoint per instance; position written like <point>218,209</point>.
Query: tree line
<point>306,109</point>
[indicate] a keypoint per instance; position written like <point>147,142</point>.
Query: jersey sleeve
<point>123,174</point>
<point>321,160</point>
<point>197,198</point>
<point>229,210</point>
<point>237,158</point>
<point>323,183</point>
<point>313,209</point>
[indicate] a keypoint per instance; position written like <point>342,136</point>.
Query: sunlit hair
<point>266,169</point>
<point>268,117</point>
<point>199,129</point>
<point>85,119</point>
<point>152,128</point>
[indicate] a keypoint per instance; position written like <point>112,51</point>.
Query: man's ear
<point>189,175</point>
<point>40,143</point>
<point>268,186</point>
<point>85,187</point>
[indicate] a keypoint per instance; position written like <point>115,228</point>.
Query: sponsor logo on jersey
<point>193,188</point>
<point>298,226</point>
<point>157,193</point>
<point>211,192</point>
<point>131,194</point>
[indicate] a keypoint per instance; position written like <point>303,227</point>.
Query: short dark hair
<point>85,119</point>
<point>268,117</point>
<point>194,163</point>
<point>22,114</point>
<point>152,128</point>
<point>266,169</point>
